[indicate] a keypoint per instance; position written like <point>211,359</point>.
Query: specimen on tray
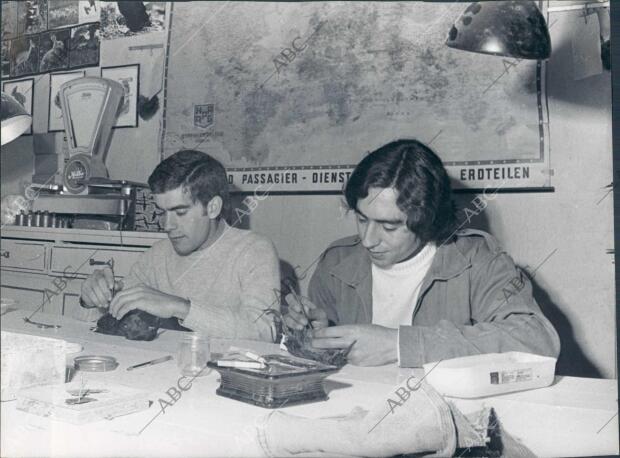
<point>298,342</point>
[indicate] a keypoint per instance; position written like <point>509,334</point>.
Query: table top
<point>574,416</point>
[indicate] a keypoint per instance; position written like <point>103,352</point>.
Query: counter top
<point>82,235</point>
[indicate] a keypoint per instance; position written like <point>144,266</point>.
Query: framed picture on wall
<point>128,76</point>
<point>84,46</point>
<point>25,55</point>
<point>55,122</point>
<point>62,13</point>
<point>53,50</point>
<point>22,92</point>
<point>9,19</point>
<point>89,11</point>
<point>31,17</point>
<point>6,58</point>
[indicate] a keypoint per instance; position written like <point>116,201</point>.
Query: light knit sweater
<point>229,283</point>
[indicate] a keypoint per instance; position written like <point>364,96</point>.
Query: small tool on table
<point>42,325</point>
<point>150,363</point>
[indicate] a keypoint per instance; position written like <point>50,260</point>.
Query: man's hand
<point>296,318</point>
<point>150,300</point>
<point>97,289</point>
<point>374,345</point>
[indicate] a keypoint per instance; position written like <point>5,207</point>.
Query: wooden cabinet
<point>43,268</point>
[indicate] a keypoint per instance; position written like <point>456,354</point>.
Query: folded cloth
<point>411,420</point>
<point>419,423</point>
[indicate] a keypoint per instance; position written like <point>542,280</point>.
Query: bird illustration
<point>33,20</point>
<point>91,5</point>
<point>86,38</point>
<point>24,57</point>
<point>93,39</point>
<point>21,98</point>
<point>136,17</point>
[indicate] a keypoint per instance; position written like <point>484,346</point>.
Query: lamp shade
<point>15,119</point>
<point>512,29</point>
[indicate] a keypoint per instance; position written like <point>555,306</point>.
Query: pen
<point>150,363</point>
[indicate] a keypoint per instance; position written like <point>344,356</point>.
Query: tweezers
<point>298,299</point>
<point>346,353</point>
<point>111,264</point>
<point>42,325</point>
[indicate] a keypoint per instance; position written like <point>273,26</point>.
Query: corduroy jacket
<point>473,300</point>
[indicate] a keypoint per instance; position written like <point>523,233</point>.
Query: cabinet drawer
<point>27,299</point>
<point>32,291</point>
<point>22,255</point>
<point>85,260</point>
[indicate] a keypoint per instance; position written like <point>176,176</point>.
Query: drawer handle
<point>109,262</point>
<point>5,254</point>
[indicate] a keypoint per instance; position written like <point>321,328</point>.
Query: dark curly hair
<point>419,177</point>
<point>203,176</point>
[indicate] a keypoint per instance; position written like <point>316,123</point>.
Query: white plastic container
<point>490,374</point>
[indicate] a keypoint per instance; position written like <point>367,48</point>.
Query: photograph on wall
<point>9,19</point>
<point>54,50</point>
<point>128,76</point>
<point>22,91</point>
<point>5,55</point>
<point>84,46</point>
<point>25,55</point>
<point>89,11</point>
<point>55,122</point>
<point>123,19</point>
<point>62,13</point>
<point>31,17</point>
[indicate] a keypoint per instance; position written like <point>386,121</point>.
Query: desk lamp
<point>502,28</point>
<point>15,119</point>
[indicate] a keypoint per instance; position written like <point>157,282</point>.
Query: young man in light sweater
<point>410,287</point>
<point>210,276</point>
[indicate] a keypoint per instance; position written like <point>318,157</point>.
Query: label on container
<point>514,376</point>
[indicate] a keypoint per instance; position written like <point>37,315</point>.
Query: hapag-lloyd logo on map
<point>203,115</point>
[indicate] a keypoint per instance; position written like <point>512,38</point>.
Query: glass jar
<point>194,354</point>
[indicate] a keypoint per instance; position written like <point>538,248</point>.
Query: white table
<point>564,419</point>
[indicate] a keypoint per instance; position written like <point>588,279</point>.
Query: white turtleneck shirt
<point>395,289</point>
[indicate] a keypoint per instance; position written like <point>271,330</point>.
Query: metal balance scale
<point>88,197</point>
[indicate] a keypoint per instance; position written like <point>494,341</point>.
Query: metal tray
<point>95,363</point>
